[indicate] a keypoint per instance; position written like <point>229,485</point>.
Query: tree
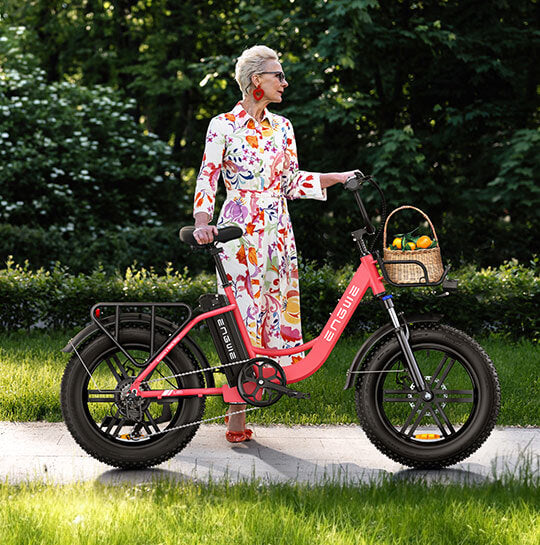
<point>438,99</point>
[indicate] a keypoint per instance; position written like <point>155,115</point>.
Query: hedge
<point>112,249</point>
<point>503,299</point>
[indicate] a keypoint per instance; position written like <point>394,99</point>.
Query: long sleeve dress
<point>259,166</point>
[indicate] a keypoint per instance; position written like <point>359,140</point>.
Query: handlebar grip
<point>355,182</point>
<point>225,234</point>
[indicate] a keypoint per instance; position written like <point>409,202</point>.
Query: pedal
<point>299,395</point>
<point>287,391</point>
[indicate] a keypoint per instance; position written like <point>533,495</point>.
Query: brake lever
<point>354,183</point>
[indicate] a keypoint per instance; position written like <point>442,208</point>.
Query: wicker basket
<point>410,273</point>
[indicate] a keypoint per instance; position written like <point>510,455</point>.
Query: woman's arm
<point>205,190</point>
<point>296,183</point>
<point>300,184</point>
<point>332,178</point>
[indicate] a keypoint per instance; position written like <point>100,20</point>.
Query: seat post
<point>215,251</point>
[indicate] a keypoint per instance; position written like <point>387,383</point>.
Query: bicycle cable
<point>383,212</point>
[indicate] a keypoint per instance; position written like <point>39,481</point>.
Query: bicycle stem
<point>403,341</point>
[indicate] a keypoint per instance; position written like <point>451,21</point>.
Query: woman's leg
<point>237,422</point>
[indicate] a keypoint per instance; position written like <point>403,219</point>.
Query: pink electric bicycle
<point>133,393</point>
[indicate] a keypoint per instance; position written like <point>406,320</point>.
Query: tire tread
<point>368,424</point>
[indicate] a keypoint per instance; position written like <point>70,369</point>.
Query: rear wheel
<point>445,429</point>
<point>118,431</point>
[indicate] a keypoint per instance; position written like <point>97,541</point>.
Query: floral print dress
<point>259,166</point>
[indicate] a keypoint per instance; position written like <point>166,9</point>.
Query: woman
<point>255,152</point>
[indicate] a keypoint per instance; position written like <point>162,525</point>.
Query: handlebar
<point>354,184</point>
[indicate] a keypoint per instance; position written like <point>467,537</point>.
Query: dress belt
<point>253,193</point>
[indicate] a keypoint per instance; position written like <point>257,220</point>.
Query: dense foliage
<point>504,299</point>
<point>438,99</point>
<point>75,166</point>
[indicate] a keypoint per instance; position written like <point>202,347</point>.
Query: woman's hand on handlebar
<point>330,178</point>
<point>204,234</point>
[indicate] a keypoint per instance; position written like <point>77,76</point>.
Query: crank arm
<point>287,391</point>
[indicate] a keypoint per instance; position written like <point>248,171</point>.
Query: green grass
<point>164,513</point>
<point>32,364</point>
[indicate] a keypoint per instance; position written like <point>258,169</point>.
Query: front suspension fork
<point>402,335</point>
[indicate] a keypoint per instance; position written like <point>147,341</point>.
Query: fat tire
<point>429,456</point>
<point>83,428</point>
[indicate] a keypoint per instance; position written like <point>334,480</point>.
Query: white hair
<point>252,61</point>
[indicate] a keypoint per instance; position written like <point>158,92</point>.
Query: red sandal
<point>239,436</point>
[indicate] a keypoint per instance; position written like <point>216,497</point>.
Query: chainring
<point>253,378</point>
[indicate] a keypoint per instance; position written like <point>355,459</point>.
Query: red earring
<point>258,93</point>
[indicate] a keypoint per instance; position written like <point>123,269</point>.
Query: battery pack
<point>225,335</point>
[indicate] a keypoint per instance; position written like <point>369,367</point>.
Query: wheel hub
<point>428,396</point>
<point>130,405</point>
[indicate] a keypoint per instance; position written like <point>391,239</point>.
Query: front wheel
<point>440,432</point>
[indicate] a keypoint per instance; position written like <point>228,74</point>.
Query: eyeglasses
<point>280,75</point>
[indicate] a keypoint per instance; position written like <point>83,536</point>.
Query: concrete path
<point>47,452</point>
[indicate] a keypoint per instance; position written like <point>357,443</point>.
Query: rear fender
<point>377,337</point>
<point>138,318</point>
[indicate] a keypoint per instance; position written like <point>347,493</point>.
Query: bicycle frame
<point>366,277</point>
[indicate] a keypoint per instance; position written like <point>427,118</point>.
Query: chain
<point>197,371</point>
<point>204,419</point>
<point>194,423</point>
<point>198,422</point>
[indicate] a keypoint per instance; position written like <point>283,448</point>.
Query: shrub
<point>503,299</point>
<point>75,157</point>
<point>113,249</point>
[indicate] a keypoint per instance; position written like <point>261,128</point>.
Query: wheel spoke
<point>123,373</point>
<point>453,392</point>
<point>101,396</point>
<point>454,400</point>
<point>417,421</point>
<point>444,417</point>
<point>152,421</point>
<point>438,422</point>
<point>411,416</point>
<point>147,428</point>
<point>166,413</point>
<point>439,367</point>
<point>111,422</point>
<point>93,392</point>
<point>407,392</point>
<point>119,427</point>
<point>156,370</point>
<point>442,396</point>
<point>446,371</point>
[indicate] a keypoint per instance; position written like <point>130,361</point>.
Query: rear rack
<point>106,322</point>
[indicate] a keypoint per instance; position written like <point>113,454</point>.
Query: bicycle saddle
<point>224,235</point>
